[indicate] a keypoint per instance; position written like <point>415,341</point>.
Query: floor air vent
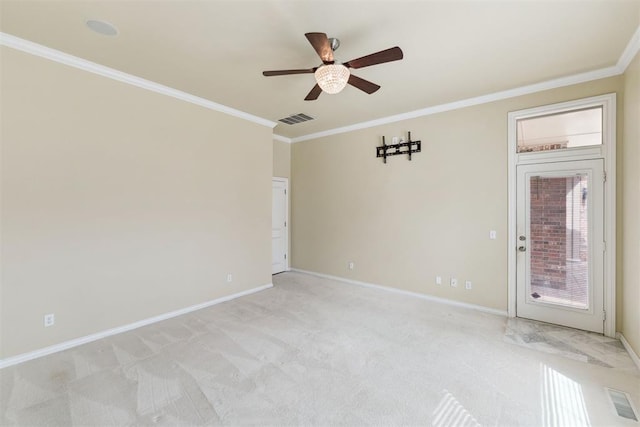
<point>622,404</point>
<point>296,118</point>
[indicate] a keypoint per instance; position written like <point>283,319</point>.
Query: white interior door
<point>560,243</point>
<point>279,240</point>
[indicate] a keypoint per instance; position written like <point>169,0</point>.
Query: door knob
<point>522,248</point>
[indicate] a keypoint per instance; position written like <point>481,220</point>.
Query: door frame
<point>286,215</point>
<point>606,151</point>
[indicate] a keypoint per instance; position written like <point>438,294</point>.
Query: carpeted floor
<point>312,351</point>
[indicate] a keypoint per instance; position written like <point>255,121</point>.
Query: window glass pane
<point>579,128</point>
<point>559,240</point>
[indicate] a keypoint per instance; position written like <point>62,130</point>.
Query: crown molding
<point>629,52</point>
<point>36,49</point>
<point>282,138</point>
<point>484,99</point>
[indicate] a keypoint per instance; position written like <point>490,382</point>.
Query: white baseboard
<point>408,293</point>
<point>627,346</point>
<point>14,360</point>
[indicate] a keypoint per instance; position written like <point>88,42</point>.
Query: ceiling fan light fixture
<point>332,78</point>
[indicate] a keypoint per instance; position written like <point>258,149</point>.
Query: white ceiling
<point>453,50</point>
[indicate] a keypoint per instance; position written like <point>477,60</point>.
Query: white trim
<point>610,212</point>
<point>630,51</point>
<point>627,346</point>
<point>281,138</point>
<point>407,293</point>
<point>484,99</point>
<point>14,360</point>
<point>17,43</point>
<point>608,152</point>
<point>633,47</point>
<point>512,215</point>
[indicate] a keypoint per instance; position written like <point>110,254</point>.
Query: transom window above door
<point>569,129</point>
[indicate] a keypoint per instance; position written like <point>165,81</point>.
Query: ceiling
<point>453,50</point>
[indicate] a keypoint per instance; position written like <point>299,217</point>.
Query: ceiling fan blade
<point>388,55</point>
<point>362,84</point>
<point>287,72</point>
<point>321,44</point>
<point>314,94</point>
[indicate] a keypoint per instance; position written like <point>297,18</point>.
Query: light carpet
<point>312,351</point>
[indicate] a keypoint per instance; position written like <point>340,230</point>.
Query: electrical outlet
<point>492,234</point>
<point>454,282</point>
<point>229,278</point>
<point>351,265</point>
<point>438,280</point>
<point>467,284</point>
<point>49,320</point>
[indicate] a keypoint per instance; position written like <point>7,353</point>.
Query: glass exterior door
<point>560,243</point>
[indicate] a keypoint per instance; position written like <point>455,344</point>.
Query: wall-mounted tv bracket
<point>407,147</point>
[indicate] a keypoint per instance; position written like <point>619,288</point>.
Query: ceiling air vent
<point>622,404</point>
<point>296,118</point>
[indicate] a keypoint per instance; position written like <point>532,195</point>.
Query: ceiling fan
<point>332,77</point>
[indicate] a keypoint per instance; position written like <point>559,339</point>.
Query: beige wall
<point>405,222</point>
<point>629,194</point>
<point>281,159</point>
<point>119,204</point>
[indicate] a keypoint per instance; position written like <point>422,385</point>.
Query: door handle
<point>522,248</point>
